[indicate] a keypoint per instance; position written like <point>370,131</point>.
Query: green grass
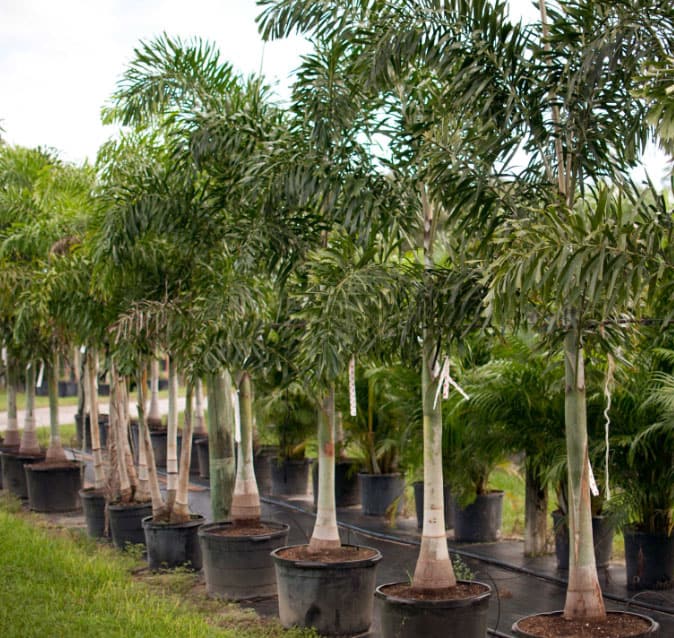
<point>43,402</point>
<point>60,583</point>
<point>508,478</point>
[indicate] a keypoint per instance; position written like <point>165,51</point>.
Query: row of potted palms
<point>237,235</point>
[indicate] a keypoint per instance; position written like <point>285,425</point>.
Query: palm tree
<point>394,110</point>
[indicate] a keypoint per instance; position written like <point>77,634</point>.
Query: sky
<point>61,59</point>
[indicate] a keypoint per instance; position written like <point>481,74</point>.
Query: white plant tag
<point>352,387</point>
<point>38,383</point>
<point>593,483</point>
<point>237,417</point>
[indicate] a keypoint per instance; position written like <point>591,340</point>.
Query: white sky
<point>60,60</point>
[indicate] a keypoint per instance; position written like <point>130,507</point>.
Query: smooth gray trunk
<point>221,444</point>
<point>535,513</point>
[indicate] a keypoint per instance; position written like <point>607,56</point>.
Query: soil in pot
<point>331,592</point>
<point>649,559</point>
<point>93,506</point>
<point>54,486</point>
<point>479,522</point>
<point>347,489</point>
<point>379,491</point>
<point>237,559</point>
<point>618,624</point>
<point>460,611</point>
<point>126,523</point>
<point>171,545</point>
<point>13,474</point>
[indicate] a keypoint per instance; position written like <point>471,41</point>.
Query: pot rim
<point>23,457</point>
<point>68,466</point>
<point>633,530</point>
<point>280,530</point>
<point>318,565</point>
<point>655,626</point>
<point>115,507</point>
<point>434,604</point>
<point>92,492</point>
<point>196,520</point>
<point>383,475</point>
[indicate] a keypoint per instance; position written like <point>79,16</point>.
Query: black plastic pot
<point>93,506</point>
<point>289,477</point>
<point>419,504</point>
<point>334,598</point>
<point>263,459</point>
<point>479,522</point>
<point>409,618</point>
<point>172,545</point>
<point>11,449</point>
<point>203,459</point>
<point>158,439</point>
<point>651,632</point>
<point>13,474</point>
<point>649,559</point>
<point>126,523</point>
<point>240,567</point>
<point>603,531</point>
<point>379,491</point>
<point>84,430</point>
<point>54,487</point>
<point>347,489</point>
<point>67,388</point>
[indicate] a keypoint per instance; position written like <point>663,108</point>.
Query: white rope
<point>445,381</point>
<point>237,416</point>
<point>352,387</point>
<point>610,368</point>
<point>38,382</point>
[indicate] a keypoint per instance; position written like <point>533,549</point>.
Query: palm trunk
<point>154,415</point>
<point>79,370</point>
<point>158,505</point>
<point>199,425</point>
<point>220,444</point>
<point>125,443</point>
<point>55,450</point>
<point>370,428</point>
<point>246,497</point>
<point>116,424</point>
<point>535,513</point>
<point>12,434</point>
<point>326,533</point>
<point>583,595</point>
<point>29,443</point>
<point>92,392</point>
<point>172,436</point>
<point>434,568</point>
<point>181,512</point>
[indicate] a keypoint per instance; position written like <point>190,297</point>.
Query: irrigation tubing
<point>628,602</point>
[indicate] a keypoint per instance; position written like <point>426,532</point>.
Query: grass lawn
<point>43,402</point>
<point>58,582</point>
